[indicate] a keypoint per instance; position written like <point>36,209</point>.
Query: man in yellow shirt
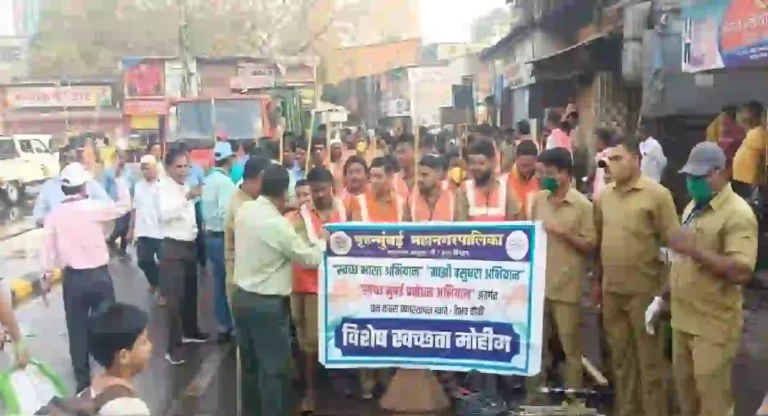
<point>749,163</point>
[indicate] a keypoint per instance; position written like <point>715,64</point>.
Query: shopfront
<point>147,118</point>
<point>146,106</point>
<point>59,110</point>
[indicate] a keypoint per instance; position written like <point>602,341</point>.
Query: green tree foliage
<point>87,38</point>
<point>80,38</point>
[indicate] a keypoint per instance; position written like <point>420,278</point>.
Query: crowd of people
<point>257,216</point>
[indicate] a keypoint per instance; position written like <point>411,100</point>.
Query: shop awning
<point>72,115</point>
<point>601,52</point>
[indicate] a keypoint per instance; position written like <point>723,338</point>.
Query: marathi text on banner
<point>455,297</point>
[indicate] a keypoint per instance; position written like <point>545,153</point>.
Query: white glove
<point>650,314</point>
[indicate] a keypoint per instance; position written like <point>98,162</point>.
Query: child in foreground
<point>119,342</point>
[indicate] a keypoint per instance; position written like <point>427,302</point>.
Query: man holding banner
<point>567,216</point>
<point>429,201</point>
<point>308,222</point>
<point>485,197</point>
<point>381,204</point>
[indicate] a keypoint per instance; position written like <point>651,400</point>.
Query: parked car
<point>25,160</point>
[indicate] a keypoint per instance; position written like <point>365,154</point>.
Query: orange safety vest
<point>497,158</point>
<point>304,279</point>
<point>401,187</point>
<point>365,201</point>
<point>525,191</point>
<point>443,209</point>
<point>487,207</point>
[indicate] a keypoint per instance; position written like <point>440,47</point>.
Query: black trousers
<point>121,231</point>
<point>85,291</point>
<point>202,258</point>
<point>178,284</point>
<point>148,253</point>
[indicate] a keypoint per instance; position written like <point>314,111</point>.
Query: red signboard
<point>145,79</point>
<point>145,107</point>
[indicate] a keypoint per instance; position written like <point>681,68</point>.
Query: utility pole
<point>184,54</point>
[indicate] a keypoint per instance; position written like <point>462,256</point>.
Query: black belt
<point>215,233</point>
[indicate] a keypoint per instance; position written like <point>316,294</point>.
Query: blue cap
<point>222,150</point>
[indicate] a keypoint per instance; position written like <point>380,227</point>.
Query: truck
<point>25,160</point>
<point>200,120</point>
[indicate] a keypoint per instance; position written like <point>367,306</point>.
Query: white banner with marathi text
<point>454,296</point>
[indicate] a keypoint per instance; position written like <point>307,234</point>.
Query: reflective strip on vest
<point>340,210</point>
<point>363,208</point>
<point>306,216</point>
<point>498,210</point>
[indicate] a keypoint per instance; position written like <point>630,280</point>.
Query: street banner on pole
<point>452,296</point>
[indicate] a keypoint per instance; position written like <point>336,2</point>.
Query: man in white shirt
<point>178,256</point>
<point>145,223</point>
<point>653,160</point>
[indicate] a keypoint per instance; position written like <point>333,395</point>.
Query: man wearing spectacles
<point>178,255</point>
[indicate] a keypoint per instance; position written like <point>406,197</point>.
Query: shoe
<point>307,405</point>
<point>198,338</point>
<point>171,358</point>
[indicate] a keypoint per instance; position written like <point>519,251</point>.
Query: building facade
<point>61,108</point>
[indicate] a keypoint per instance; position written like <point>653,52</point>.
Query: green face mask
<point>699,189</point>
<point>549,183</point>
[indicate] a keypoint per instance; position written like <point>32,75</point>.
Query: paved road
<point>206,384</point>
<point>15,219</point>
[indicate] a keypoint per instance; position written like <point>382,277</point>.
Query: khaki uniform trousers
<point>639,365</point>
<point>370,377</point>
<point>561,319</point>
<point>702,371</point>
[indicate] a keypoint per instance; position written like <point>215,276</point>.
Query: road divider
<point>26,287</point>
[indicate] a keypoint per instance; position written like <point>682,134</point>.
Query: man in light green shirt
<point>265,246</point>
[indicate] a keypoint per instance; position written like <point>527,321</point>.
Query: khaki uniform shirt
<point>704,304</point>
<point>633,224</point>
<point>238,198</point>
<point>461,213</point>
<point>566,266</point>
